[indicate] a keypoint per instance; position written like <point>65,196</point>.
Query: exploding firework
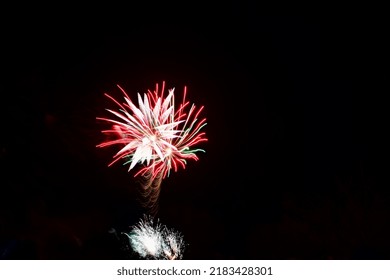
<point>152,240</point>
<point>156,134</point>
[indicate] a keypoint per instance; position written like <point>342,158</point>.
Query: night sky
<point>294,166</point>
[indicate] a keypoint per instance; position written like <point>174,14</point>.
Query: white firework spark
<point>173,245</point>
<point>151,240</point>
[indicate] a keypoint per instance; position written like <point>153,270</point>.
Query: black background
<point>294,167</point>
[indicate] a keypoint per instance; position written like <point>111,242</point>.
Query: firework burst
<point>152,240</point>
<point>156,134</point>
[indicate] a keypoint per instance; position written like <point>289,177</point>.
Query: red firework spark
<point>155,133</point>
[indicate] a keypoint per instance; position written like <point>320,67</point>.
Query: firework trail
<point>155,134</point>
<point>151,240</point>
